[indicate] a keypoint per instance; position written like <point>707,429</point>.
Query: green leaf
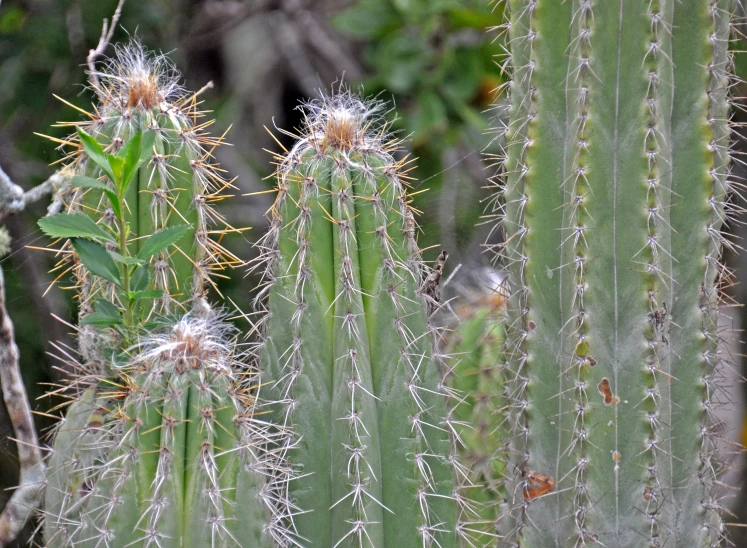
<point>368,20</point>
<point>152,294</point>
<point>161,240</point>
<point>100,320</point>
<point>106,315</point>
<point>140,279</point>
<point>117,165</point>
<point>82,181</point>
<point>107,307</point>
<point>126,260</point>
<point>131,155</point>
<point>97,260</point>
<point>95,152</point>
<point>73,225</point>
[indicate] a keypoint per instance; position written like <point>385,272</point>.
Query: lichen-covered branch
<point>14,199</point>
<point>26,497</point>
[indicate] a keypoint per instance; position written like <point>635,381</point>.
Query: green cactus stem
<point>614,192</point>
<point>161,445</point>
<point>474,341</point>
<point>347,363</point>
<point>167,457</point>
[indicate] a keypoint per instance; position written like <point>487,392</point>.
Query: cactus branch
<point>26,497</point>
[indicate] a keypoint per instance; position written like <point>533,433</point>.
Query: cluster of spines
<point>340,134</point>
<point>122,463</point>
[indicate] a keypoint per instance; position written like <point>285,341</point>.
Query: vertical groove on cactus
<point>353,382</point>
<point>613,194</point>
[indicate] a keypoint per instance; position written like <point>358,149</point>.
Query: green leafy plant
<point>130,274</point>
<point>614,192</point>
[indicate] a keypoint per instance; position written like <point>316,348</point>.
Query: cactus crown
<point>135,78</point>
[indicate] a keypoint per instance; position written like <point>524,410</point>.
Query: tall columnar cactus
<point>347,364</point>
<point>160,446</point>
<point>614,193</point>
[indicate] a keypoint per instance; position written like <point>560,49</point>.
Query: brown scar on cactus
<point>537,485</point>
<point>606,391</point>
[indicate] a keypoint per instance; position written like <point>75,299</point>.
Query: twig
<point>291,46</point>
<point>27,495</point>
<point>317,37</point>
<point>107,31</point>
<point>13,199</point>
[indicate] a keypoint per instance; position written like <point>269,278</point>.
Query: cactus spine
<point>614,192</point>
<point>347,357</point>
<point>160,445</point>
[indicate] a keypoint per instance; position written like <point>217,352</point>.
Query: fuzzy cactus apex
<point>349,371</point>
<point>614,191</point>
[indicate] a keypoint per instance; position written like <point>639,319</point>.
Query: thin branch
<point>317,37</point>
<point>107,31</point>
<point>27,495</point>
<point>13,199</point>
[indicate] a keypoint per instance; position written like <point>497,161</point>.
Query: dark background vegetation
<point>434,60</point>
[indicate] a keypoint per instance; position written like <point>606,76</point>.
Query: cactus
<point>614,191</point>
<point>160,445</point>
<point>474,342</point>
<point>166,457</point>
<point>143,172</point>
<point>349,374</point>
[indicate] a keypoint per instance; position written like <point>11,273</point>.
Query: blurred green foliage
<point>434,57</point>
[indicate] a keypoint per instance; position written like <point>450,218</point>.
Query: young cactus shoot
<point>140,213</point>
<point>160,445</point>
